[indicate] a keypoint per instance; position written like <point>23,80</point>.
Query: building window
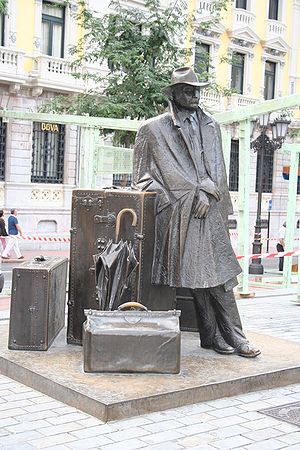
<point>270,73</point>
<point>2,149</point>
<point>202,60</point>
<point>48,153</point>
<point>234,166</point>
<point>267,181</point>
<point>53,18</point>
<point>122,179</point>
<point>273,9</point>
<point>237,72</point>
<point>241,4</point>
<point>2,24</point>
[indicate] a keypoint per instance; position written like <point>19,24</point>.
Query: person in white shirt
<point>280,245</point>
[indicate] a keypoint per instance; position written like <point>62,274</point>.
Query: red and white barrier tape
<point>254,256</point>
<point>45,238</point>
<point>235,234</point>
<point>270,255</point>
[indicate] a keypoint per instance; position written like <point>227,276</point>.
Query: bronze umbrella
<point>114,268</point>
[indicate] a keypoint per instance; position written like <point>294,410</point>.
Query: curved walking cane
<point>119,218</point>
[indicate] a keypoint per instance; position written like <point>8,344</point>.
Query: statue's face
<point>186,96</point>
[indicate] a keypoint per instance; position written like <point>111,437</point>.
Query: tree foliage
<point>3,6</point>
<point>141,47</point>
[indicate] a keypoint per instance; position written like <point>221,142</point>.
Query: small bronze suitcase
<point>99,216</point>
<point>37,312</point>
<point>131,341</point>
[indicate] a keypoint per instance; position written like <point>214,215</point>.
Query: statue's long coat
<point>189,252</point>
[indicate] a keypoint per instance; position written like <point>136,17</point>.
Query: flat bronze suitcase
<point>37,311</point>
<point>131,341</point>
<point>99,216</point>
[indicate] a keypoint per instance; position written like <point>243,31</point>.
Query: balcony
<point>56,74</point>
<point>203,10</point>
<point>237,101</point>
<point>275,29</point>
<point>212,101</point>
<point>243,18</point>
<point>11,65</point>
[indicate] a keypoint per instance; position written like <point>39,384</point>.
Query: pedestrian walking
<point>280,245</point>
<point>3,232</point>
<point>14,230</point>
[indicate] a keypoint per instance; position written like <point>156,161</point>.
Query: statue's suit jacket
<point>189,252</point>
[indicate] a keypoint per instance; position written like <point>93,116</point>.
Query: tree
<point>141,47</point>
<point>3,6</point>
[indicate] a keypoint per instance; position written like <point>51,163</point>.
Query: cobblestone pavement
<point>31,420</point>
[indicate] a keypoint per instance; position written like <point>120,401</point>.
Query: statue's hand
<point>201,207</point>
<point>209,186</point>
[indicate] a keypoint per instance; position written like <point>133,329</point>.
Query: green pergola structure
<point>95,158</point>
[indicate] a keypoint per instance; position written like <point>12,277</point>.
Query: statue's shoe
<point>247,350</point>
<point>220,346</point>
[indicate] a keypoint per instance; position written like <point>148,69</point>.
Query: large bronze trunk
<point>97,217</point>
<point>37,312</point>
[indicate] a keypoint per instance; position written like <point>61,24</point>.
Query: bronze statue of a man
<point>179,155</point>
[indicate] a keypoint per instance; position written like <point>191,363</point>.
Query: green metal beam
<point>293,150</point>
<point>237,115</point>
<point>98,122</point>
<point>247,112</point>
<point>88,157</point>
<point>243,204</point>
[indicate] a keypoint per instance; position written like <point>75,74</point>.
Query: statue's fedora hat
<point>183,75</point>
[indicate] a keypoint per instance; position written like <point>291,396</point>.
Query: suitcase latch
<point>110,219</point>
<point>88,202</point>
<point>101,244</point>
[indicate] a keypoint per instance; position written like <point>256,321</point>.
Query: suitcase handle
<point>132,306</point>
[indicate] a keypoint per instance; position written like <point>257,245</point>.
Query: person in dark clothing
<point>179,155</point>
<point>14,230</point>
<point>3,232</point>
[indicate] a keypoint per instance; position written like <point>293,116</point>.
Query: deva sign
<point>50,127</point>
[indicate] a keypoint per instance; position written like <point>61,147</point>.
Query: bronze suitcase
<point>37,312</point>
<point>131,341</point>
<point>97,217</point>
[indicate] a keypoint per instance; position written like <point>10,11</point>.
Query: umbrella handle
<point>119,218</point>
<point>132,306</point>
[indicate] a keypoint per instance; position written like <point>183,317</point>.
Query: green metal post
<point>294,150</point>
<point>88,157</point>
<point>243,203</point>
<point>298,292</point>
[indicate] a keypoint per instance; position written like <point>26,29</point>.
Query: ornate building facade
<point>253,49</point>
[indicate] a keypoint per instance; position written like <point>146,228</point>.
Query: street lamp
<point>260,145</point>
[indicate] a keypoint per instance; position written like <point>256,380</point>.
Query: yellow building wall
<point>25,29</point>
<point>261,15</point>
